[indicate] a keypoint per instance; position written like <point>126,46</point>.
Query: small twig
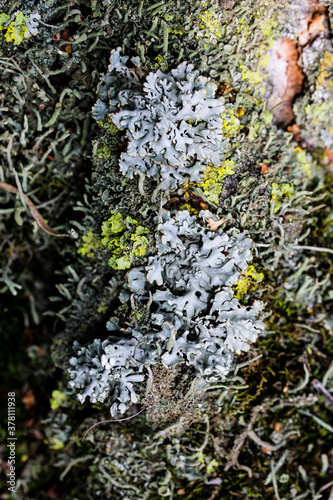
<point>32,208</point>
<point>233,455</point>
<point>331,495</point>
<point>275,486</point>
<point>300,247</point>
<point>328,374</point>
<point>325,486</point>
<point>264,444</point>
<point>246,468</point>
<point>246,363</point>
<point>110,421</point>
<point>315,249</point>
<point>277,467</point>
<point>319,421</point>
<point>175,427</point>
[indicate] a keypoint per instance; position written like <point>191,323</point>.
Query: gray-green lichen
<point>196,319</point>
<point>172,121</point>
<point>165,345</point>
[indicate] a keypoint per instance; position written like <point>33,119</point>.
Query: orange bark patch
<point>286,51</point>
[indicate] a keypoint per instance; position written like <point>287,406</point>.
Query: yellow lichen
<point>231,124</point>
<point>326,70</point>
<point>267,26</point>
<point>214,177</point>
<point>189,208</point>
<point>104,152</point>
<point>91,244</point>
<point>161,63</point>
<point>252,77</point>
<point>280,192</point>
<point>263,61</point>
<point>57,399</point>
<point>210,22</point>
<point>124,237</point>
<point>248,282</point>
<point>305,164</point>
<point>55,443</point>
<point>16,29</point>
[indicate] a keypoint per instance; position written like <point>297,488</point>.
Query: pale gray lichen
<point>228,328</point>
<point>173,121</point>
<point>196,320</point>
<point>105,370</point>
<point>191,264</point>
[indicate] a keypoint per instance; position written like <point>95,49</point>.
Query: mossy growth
<point>213,181</point>
<point>248,282</point>
<point>124,237</point>
<point>170,399</point>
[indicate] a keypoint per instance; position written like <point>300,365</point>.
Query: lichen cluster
<point>172,121</point>
<point>195,281</point>
<point>196,320</point>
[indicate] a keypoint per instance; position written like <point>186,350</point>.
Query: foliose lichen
<point>172,121</point>
<point>196,320</point>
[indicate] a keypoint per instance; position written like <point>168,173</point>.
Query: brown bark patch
<point>286,89</point>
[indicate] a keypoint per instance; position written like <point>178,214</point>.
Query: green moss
<point>91,244</point>
<point>124,237</point>
<point>248,282</point>
<point>212,183</point>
